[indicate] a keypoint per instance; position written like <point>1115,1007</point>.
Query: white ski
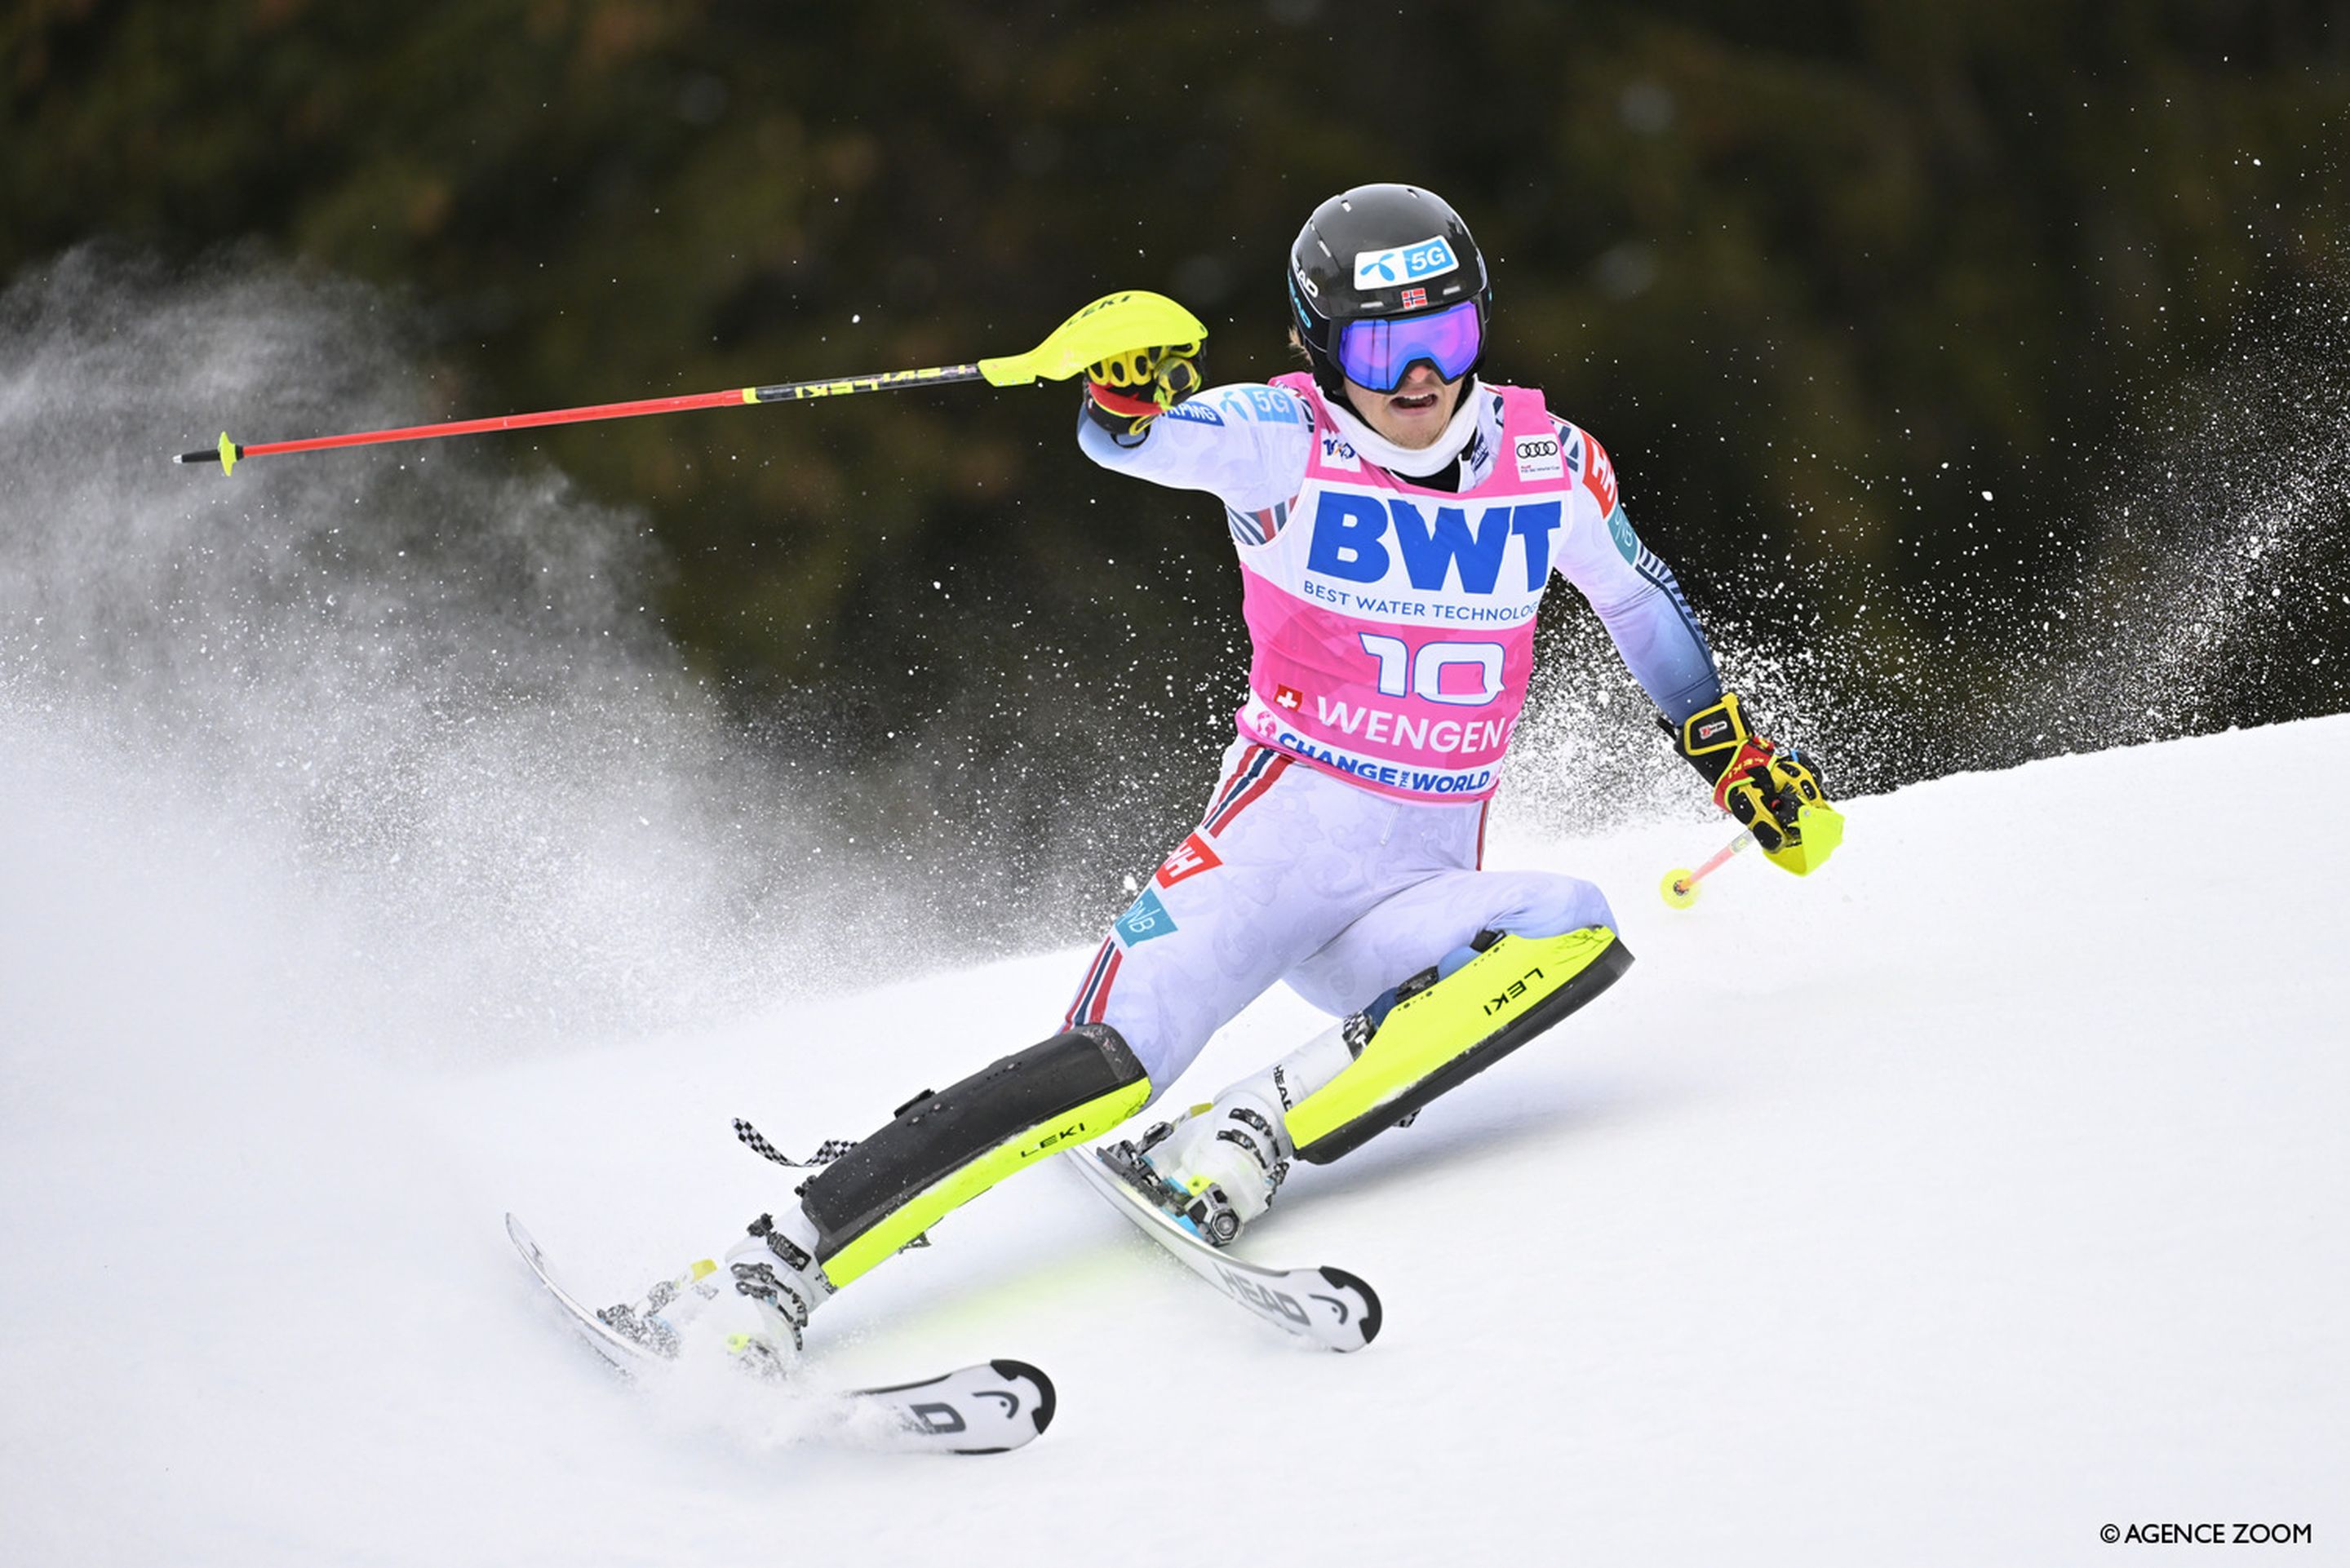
<point>1328,1307</point>
<point>982,1409</point>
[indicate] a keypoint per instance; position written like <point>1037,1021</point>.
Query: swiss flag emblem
<point>1289,698</point>
<point>1190,857</point>
<point>1599,475</point>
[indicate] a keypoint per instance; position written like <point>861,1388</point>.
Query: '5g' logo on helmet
<point>1403,263</point>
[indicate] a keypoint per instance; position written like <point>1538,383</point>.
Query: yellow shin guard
<point>1436,1038</point>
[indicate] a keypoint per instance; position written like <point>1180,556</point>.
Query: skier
<point>1397,520</point>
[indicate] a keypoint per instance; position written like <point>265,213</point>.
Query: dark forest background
<point>1978,366</point>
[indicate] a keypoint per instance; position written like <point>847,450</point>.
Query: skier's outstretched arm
<point>1632,590</point>
<point>1635,597</point>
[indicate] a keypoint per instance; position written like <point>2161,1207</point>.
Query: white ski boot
<point>775,1269</point>
<point>1218,1165</point>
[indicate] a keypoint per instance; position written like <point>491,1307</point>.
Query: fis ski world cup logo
<point>1404,263</point>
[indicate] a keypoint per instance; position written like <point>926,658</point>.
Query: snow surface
<point>1982,1190</point>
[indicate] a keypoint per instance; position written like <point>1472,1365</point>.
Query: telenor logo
<point>1403,263</point>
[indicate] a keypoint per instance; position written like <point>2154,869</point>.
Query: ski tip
<point>1373,1317</point>
<point>524,1243</point>
<point>1047,1399</point>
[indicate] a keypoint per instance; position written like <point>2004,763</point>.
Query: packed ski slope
<point>1982,1190</point>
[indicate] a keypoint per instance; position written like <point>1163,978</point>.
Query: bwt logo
<point>1351,533</point>
<point>1404,263</point>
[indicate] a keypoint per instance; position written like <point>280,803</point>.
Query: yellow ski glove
<point>1125,391</point>
<point>1774,794</point>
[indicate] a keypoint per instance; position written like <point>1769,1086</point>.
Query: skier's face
<point>1415,414</point>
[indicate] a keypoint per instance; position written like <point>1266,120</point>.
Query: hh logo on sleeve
<point>1599,475</point>
<point>1190,857</point>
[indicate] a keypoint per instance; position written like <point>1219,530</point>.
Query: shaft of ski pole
<point>1679,886</point>
<point>1114,324</point>
<point>229,453</point>
<point>1721,856</point>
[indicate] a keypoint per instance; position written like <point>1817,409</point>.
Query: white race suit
<point>1391,622</point>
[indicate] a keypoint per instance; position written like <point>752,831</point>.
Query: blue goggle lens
<point>1377,354</point>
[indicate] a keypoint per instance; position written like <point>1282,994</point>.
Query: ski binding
<point>986,1408</point>
<point>1325,1307</point>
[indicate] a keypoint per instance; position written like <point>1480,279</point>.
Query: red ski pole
<point>1115,324</point>
<point>230,453</point>
<point>1679,886</point>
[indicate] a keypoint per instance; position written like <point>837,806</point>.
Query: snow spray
<point>431,692</point>
<point>2190,580</point>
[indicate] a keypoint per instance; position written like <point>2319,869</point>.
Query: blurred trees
<point>1820,274</point>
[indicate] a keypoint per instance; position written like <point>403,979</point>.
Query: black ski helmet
<point>1379,250</point>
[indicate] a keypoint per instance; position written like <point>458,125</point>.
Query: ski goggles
<point>1377,354</point>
